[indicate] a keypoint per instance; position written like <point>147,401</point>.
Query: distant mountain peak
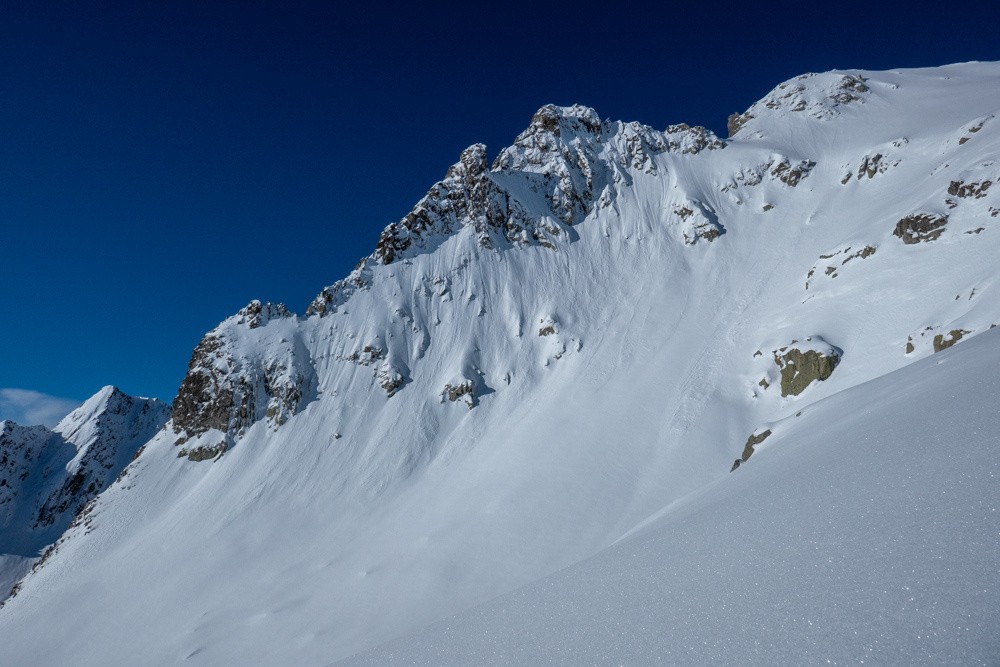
<point>47,476</point>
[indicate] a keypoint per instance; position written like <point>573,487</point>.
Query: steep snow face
<point>47,477</point>
<point>539,357</point>
<point>894,562</point>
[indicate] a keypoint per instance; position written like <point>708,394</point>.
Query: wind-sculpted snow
<point>542,355</point>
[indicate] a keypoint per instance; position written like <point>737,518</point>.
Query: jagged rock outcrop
<point>802,363</point>
<point>920,228</point>
<point>568,157</point>
<point>974,189</point>
<point>231,384</point>
<point>748,449</point>
<point>466,196</point>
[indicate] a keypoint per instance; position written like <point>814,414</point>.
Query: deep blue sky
<point>161,164</point>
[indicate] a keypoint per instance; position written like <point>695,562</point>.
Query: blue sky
<point>162,164</point>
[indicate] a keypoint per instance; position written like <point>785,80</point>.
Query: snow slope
<point>538,358</point>
<point>865,531</point>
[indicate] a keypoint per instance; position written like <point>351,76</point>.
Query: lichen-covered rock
<point>920,227</point>
<point>205,399</point>
<point>801,364</point>
<point>754,440</point>
<point>943,342</point>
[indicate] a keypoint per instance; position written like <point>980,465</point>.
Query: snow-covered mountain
<point>48,476</point>
<point>551,352</point>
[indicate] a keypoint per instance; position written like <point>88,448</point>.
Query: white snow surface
<point>605,343</point>
<point>865,531</point>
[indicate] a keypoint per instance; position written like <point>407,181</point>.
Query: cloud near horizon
<point>30,408</point>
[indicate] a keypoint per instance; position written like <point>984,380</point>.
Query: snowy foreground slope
<point>866,531</point>
<point>542,356</point>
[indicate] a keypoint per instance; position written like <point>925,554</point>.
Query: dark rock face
<point>466,196</point>
<point>752,442</point>
<point>390,380</point>
<point>748,449</point>
<point>965,190</point>
<point>229,390</point>
<point>737,121</point>
<point>22,449</point>
<point>699,223</point>
<point>800,368</point>
<point>920,227</point>
<point>790,174</point>
<point>203,400</point>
